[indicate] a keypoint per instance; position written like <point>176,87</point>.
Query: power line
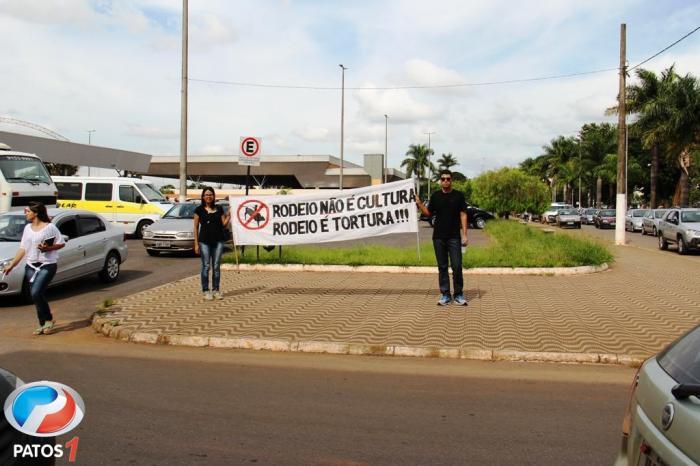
<point>389,88</point>
<point>436,86</point>
<point>663,50</point>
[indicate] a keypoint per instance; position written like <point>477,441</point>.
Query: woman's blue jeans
<point>37,289</point>
<point>211,258</point>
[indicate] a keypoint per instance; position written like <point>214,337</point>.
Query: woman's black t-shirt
<point>211,230</point>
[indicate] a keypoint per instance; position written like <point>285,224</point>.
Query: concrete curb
<point>425,270</point>
<point>106,326</point>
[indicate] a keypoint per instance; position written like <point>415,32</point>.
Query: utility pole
<point>579,174</point>
<point>342,122</point>
<point>621,201</point>
<point>386,154</point>
<point>183,109</point>
<point>90,131</point>
<point>430,171</point>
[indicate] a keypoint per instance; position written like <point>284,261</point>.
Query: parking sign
<point>250,151</point>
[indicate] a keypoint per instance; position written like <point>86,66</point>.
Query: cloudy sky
<point>114,66</point>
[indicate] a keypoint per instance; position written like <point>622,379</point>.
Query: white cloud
<point>152,132</point>
<point>311,133</point>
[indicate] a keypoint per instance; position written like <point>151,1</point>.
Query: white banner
<point>319,218</point>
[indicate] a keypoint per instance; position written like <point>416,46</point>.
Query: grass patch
<point>512,245</point>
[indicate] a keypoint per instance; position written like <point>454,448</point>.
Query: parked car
<point>550,215</point>
<point>174,232</point>
<point>634,218</point>
<point>604,218</point>
<point>93,245</point>
<point>568,218</point>
<point>587,216</point>
<point>662,421</point>
<point>477,217</point>
<point>650,222</point>
<point>681,226</point>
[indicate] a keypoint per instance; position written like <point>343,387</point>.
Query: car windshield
<point>181,211</point>
<point>607,213</point>
<point>681,360</point>
<point>690,216</point>
<point>659,213</point>
<point>151,194</point>
<point>567,212</point>
<point>639,213</point>
<point>12,227</point>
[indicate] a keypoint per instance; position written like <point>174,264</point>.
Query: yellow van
<point>131,203</point>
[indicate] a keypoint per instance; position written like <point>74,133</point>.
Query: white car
<point>93,245</point>
<point>634,219</point>
<point>550,215</point>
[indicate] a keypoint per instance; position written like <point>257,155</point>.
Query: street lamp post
<point>430,167</point>
<point>183,108</point>
<point>386,154</point>
<point>342,123</point>
<point>90,131</point>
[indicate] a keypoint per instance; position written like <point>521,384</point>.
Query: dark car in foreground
<point>662,423</point>
<point>477,217</point>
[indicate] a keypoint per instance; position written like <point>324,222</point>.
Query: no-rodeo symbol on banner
<point>253,212</point>
<point>250,147</point>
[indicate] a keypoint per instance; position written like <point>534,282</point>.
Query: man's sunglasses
<point>445,179</point>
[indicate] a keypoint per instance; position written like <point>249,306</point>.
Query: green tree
<point>446,161</point>
<point>416,163</point>
<point>557,153</point>
<point>596,141</point>
<point>509,190</point>
<point>61,169</point>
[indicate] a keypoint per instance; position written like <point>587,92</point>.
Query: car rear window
<point>69,191</point>
<point>681,360</point>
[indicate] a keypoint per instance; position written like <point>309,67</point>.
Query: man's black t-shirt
<point>211,230</point>
<point>447,207</point>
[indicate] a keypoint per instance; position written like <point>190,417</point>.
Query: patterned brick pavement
<point>642,303</point>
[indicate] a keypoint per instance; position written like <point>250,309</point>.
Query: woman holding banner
<point>210,222</point>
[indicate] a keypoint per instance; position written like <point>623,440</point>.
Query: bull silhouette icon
<point>254,213</point>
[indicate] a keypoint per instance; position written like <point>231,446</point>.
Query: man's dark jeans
<point>449,249</point>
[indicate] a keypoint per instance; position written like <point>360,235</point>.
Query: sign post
<point>250,155</point>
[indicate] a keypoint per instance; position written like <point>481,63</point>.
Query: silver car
<point>93,245</point>
<point>650,222</point>
<point>568,218</point>
<point>587,216</point>
<point>662,423</point>
<point>681,226</point>
<point>174,232</point>
<point>634,219</point>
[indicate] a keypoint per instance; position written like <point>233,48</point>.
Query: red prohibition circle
<point>243,144</point>
<point>253,214</point>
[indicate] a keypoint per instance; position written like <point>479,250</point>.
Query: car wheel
<point>663,244</point>
<point>644,232</point>
<point>682,246</point>
<point>110,271</point>
<point>480,223</point>
<point>153,253</point>
<point>656,233</point>
<point>143,224</point>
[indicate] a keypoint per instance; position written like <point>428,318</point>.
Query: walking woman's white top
<point>32,239</point>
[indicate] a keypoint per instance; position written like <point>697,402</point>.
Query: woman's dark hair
<point>208,188</point>
<point>40,210</point>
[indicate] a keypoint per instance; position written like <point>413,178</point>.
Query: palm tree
<point>557,153</point>
<point>447,161</point>
<point>416,161</point>
<point>680,104</point>
<point>596,141</point>
<point>641,98</point>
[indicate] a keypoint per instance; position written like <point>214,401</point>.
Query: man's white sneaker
<point>217,295</point>
<point>208,296</point>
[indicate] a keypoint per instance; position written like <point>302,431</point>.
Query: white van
<point>131,203</point>
<point>23,178</point>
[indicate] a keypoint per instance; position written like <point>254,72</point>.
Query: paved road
<point>172,406</point>
<point>76,301</point>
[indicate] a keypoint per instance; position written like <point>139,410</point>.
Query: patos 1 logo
<point>44,409</point>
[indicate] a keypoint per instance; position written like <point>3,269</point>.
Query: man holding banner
<point>449,236</point>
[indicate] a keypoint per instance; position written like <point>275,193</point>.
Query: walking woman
<point>41,241</point>
<point>209,224</point>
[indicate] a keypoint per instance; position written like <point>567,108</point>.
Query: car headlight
<point>691,232</point>
<point>4,263</point>
<point>184,235</point>
<point>147,233</point>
